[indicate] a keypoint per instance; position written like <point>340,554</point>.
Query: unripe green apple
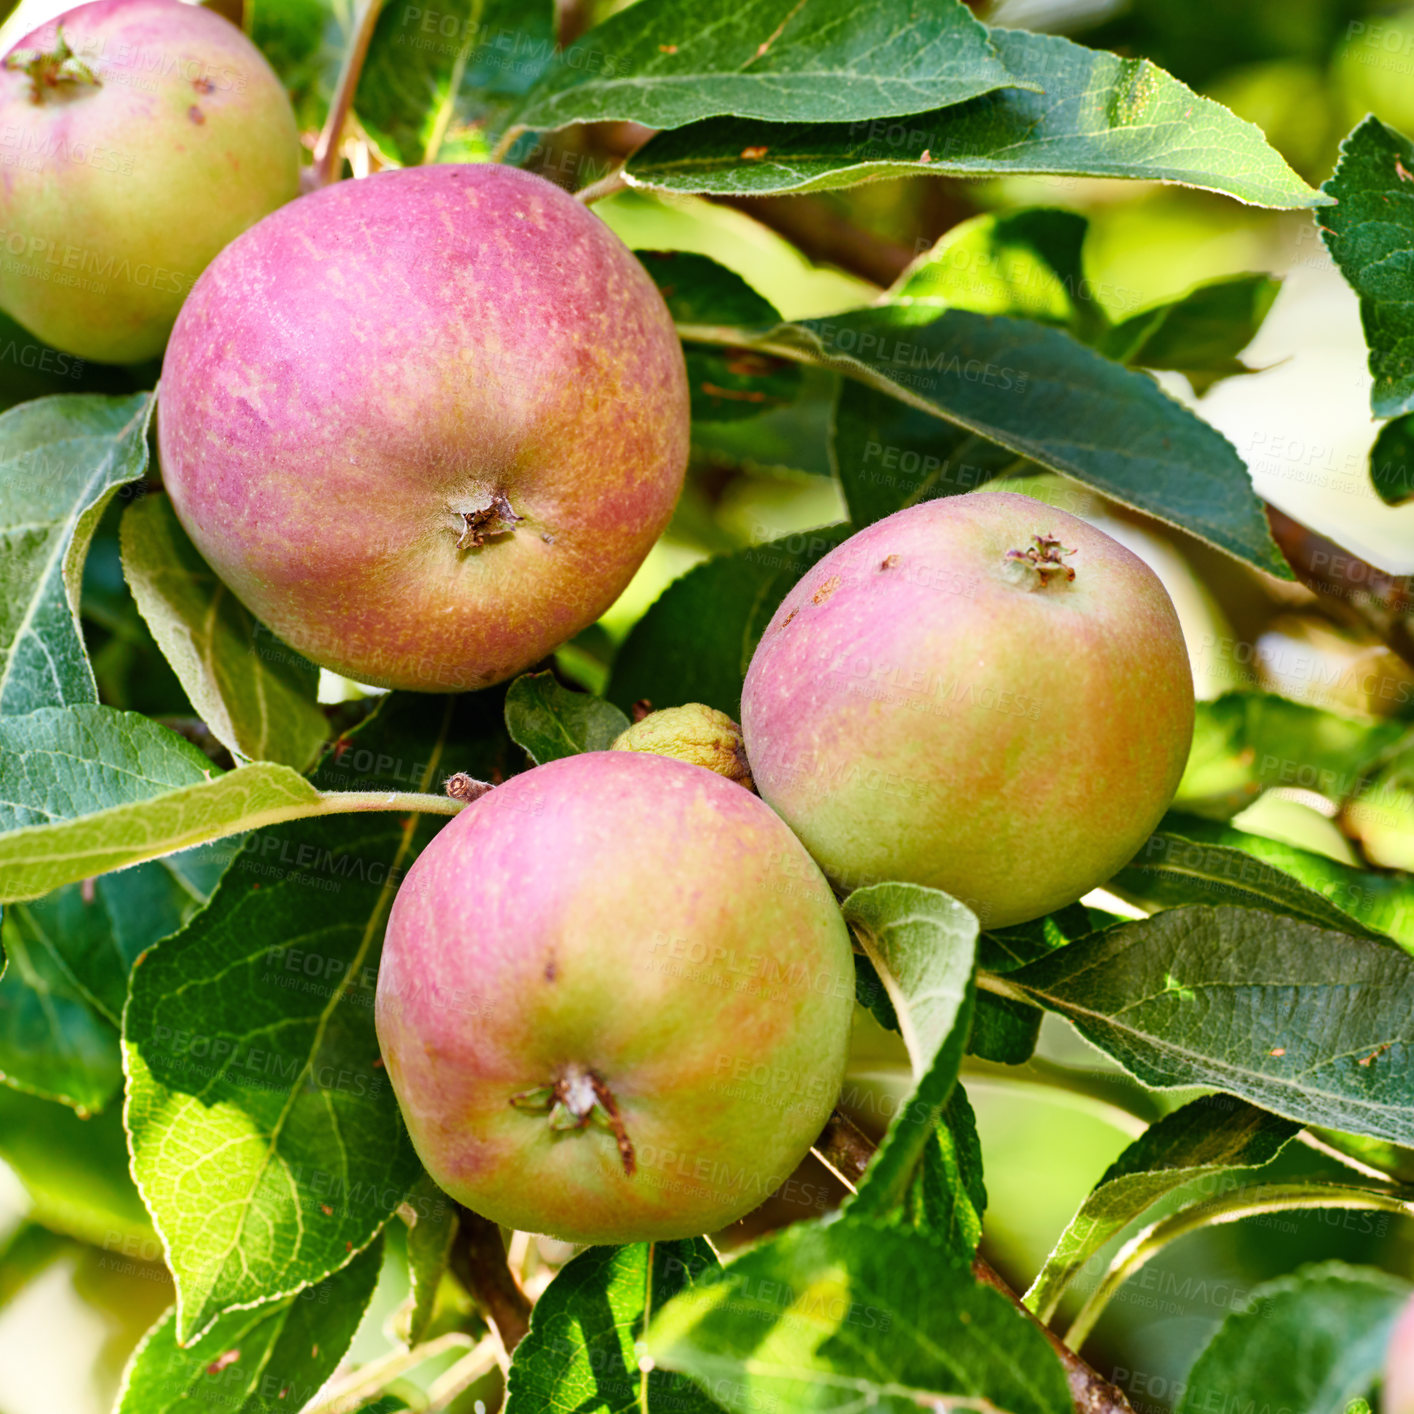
<point>980,694</point>
<point>140,137</point>
<point>427,424</point>
<point>615,1000</point>
<point>695,733</point>
<point>1397,1394</point>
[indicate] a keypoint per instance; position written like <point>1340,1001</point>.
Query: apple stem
<point>615,181</point>
<point>328,151</point>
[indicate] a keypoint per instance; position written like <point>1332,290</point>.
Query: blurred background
<point>80,1271</point>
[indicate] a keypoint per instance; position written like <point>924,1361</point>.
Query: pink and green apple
<point>979,694</point>
<point>137,138</point>
<point>426,425</point>
<point>615,1001</point>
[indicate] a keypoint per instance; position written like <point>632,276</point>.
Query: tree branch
<point>478,1258</point>
<point>846,1149</point>
<point>328,151</point>
<point>1379,601</point>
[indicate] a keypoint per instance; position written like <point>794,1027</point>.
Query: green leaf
<point>1247,742</point>
<point>256,694</point>
<point>1200,334</point>
<point>265,1137</point>
<point>1370,235</point>
<point>32,369</point>
<point>437,79</point>
<point>922,945</point>
<point>75,1170</point>
<point>1211,1135</point>
<point>1311,1024</point>
<point>1090,114</point>
<point>550,721</point>
<point>1314,1341</point>
<point>69,954</point>
<point>1392,461</point>
<point>855,1314</point>
<point>581,1351</point>
<point>1173,869</point>
<point>61,459</point>
<point>669,62</point>
<point>1191,860</point>
<point>270,1360</point>
<point>84,790</point>
<point>725,385</point>
<point>431,1219</point>
<point>1005,1029</point>
<point>696,641</point>
<point>889,455</point>
<point>1045,396</point>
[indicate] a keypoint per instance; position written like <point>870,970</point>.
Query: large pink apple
<point>980,694</point>
<point>137,138</point>
<point>425,425</point>
<point>614,1001</point>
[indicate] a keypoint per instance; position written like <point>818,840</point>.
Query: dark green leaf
<point>1392,461</point>
<point>438,78</point>
<point>1045,396</point>
<point>256,694</point>
<point>725,384</point>
<point>581,1352</point>
<point>61,459</point>
<point>1314,1025</point>
<point>695,643</point>
<point>269,1360</point>
<point>1370,235</point>
<point>889,455</point>
<point>1211,1135</point>
<point>854,1315</point>
<point>30,369</point>
<point>1193,860</point>
<point>1313,1342</point>
<point>69,955</point>
<point>550,721</point>
<point>264,1134</point>
<point>1200,334</point>
<point>1094,114</point>
<point>669,62</point>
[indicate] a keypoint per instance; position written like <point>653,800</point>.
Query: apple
<point>695,733</point>
<point>139,138</point>
<point>427,424</point>
<point>614,1001</point>
<point>1397,1396</point>
<point>979,694</point>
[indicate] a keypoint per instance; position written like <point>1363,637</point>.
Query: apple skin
<point>922,708</point>
<point>379,360</point>
<point>114,197</point>
<point>1397,1395</point>
<point>641,919</point>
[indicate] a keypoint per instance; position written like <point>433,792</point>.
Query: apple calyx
<point>576,1100</point>
<point>493,516</point>
<point>49,68</point>
<point>1042,563</point>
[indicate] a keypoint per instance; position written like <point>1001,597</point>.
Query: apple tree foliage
<point>194,895</point>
